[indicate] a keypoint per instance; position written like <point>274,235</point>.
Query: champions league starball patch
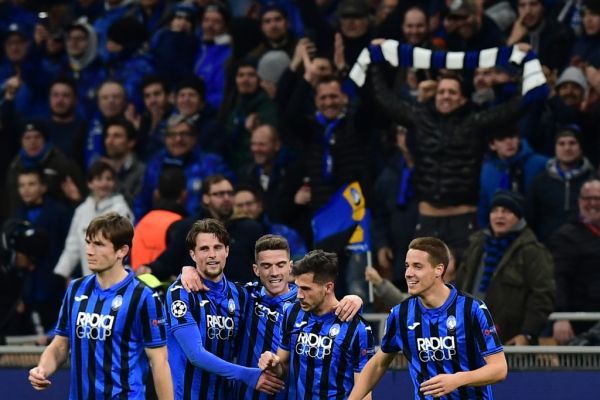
<point>178,308</point>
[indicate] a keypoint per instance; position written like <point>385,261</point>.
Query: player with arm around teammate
<point>447,336</point>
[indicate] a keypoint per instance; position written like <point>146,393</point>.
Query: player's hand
<point>191,281</point>
<point>38,379</point>
<point>269,383</point>
<point>373,276</point>
<point>562,331</point>
<point>440,385</point>
<point>268,361</point>
<point>347,308</point>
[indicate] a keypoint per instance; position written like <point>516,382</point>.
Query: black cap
<point>36,125</point>
<point>569,130</point>
<point>512,201</point>
<point>194,83</point>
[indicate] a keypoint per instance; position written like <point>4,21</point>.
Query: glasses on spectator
<point>222,193</point>
<point>590,198</point>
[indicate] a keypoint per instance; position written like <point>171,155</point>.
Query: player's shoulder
<point>176,291</point>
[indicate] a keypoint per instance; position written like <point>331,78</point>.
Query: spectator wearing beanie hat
<point>64,178</point>
<point>215,50</point>
<point>190,102</point>
<point>553,195</point>
<point>270,68</point>
<point>562,109</point>
<point>174,47</point>
<point>507,267</point>
<point>128,62</point>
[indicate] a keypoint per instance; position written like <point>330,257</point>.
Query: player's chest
<point>219,319</point>
<point>99,318</point>
<point>318,342</point>
<point>435,339</point>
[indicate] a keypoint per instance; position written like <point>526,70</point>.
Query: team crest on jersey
<point>178,308</point>
<point>334,330</point>
<point>451,323</point>
<point>231,306</point>
<point>116,303</point>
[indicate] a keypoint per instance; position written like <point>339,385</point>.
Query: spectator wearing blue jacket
<point>84,66</point>
<point>128,60</point>
<point>20,75</point>
<point>112,102</point>
<point>180,151</point>
<point>214,52</point>
<point>587,47</point>
<point>153,14</point>
<point>511,166</point>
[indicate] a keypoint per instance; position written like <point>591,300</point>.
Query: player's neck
<point>111,276</point>
<point>213,279</point>
<point>436,296</point>
<point>328,305</point>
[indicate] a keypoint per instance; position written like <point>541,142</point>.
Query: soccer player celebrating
<point>203,326</point>
<point>321,354</point>
<point>267,300</point>
<point>112,323</point>
<point>448,337</point>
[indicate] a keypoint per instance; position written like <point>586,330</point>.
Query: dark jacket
<point>576,251</point>
<point>448,149</point>
<point>244,233</point>
<point>552,198</point>
<point>521,293</point>
<point>56,168</point>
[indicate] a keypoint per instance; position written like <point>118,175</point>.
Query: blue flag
<point>344,222</point>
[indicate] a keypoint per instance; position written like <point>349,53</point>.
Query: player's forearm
<point>161,373</point>
<point>368,378</point>
<point>191,343</point>
<point>55,355</point>
<point>486,375</point>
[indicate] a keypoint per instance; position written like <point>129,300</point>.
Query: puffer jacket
<point>449,148</point>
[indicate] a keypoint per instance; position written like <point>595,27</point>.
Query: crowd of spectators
<point>243,110</point>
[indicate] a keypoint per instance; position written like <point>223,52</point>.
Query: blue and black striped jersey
<point>108,330</point>
<point>454,337</point>
<point>324,353</point>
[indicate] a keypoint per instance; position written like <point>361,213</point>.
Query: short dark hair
<point>455,76</point>
<point>67,81</point>
<point>437,251</point>
<point>115,228</point>
<point>324,80</point>
<point>171,183</point>
<point>270,242</point>
<point>256,191</point>
<point>212,180</point>
<point>207,225</point>
<point>322,264</point>
<point>97,169</point>
<point>33,171</point>
<point>122,122</point>
<point>154,80</point>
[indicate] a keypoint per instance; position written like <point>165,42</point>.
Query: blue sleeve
<point>390,342</point>
<point>188,337</point>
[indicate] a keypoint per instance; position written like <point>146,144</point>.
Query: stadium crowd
<point>248,112</point>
